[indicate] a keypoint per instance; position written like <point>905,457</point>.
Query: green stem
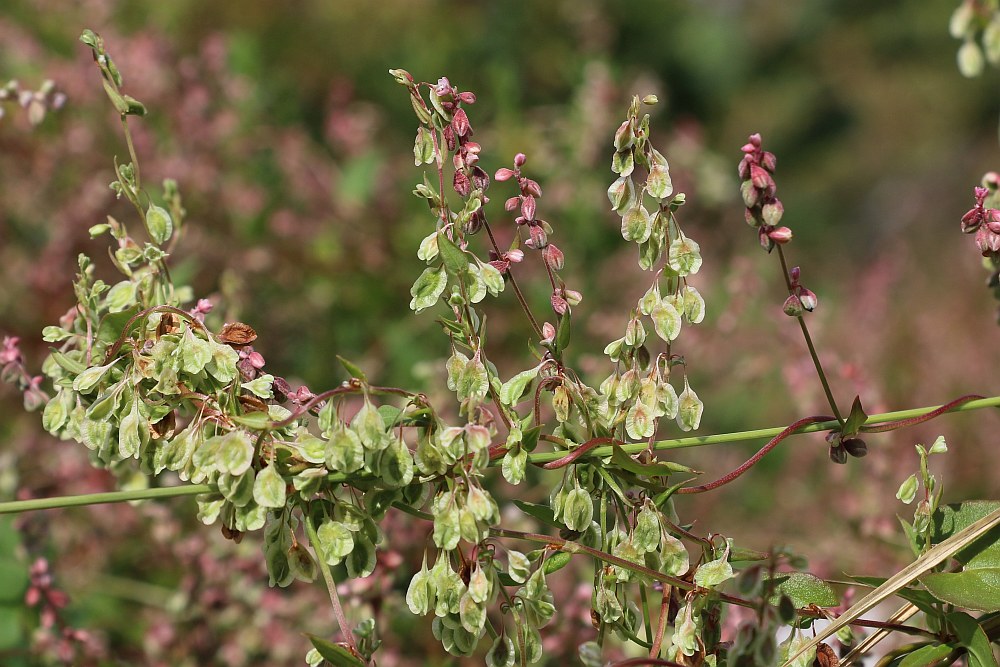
<point>331,585</point>
<point>18,506</point>
<point>809,344</point>
<point>763,433</point>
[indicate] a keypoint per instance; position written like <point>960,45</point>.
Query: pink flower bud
<point>761,179</point>
<point>772,212</point>
<point>511,203</point>
<point>538,238</point>
<point>768,161</point>
<point>780,235</point>
<point>480,179</point>
<point>808,299</point>
<point>971,220</point>
<point>515,255</point>
<point>748,148</point>
<point>792,306</point>
<point>548,333</point>
<point>554,257</point>
<point>468,97</point>
<point>519,160</point>
<point>528,207</point>
<point>987,241</point>
<point>573,297</point>
<point>559,304</point>
<point>462,184</point>
<point>794,274</point>
<point>449,137</point>
<point>460,123</point>
<point>503,174</point>
<point>531,187</point>
<point>754,139</point>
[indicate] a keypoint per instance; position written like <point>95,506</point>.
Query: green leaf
<point>512,389</point>
<point>666,320</point>
<point>86,381</point>
<point>655,468</point>
<point>344,451</point>
<point>908,490</point>
<point>925,656</point>
<point>335,541</point>
<point>972,636</point>
<point>159,224</point>
<point>689,408</point>
<point>640,423</point>
<point>257,421</point>
<point>352,369</point>
<point>335,654</point>
<point>514,465</point>
<point>684,256</point>
<point>658,183</point>
<point>855,420</point>
<point>428,288</point>
<point>120,297</point>
<point>541,512</point>
<point>977,589</point>
<point>949,519</point>
<point>235,453</point>
<point>564,330</point>
<point>557,561</point>
<point>921,599</point>
<point>370,427</point>
<point>269,488</point>
<point>803,589</point>
<point>637,224</point>
<point>133,432</point>
<point>714,572</point>
<point>455,259</point>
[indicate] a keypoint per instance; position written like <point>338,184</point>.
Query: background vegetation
<point>285,134</point>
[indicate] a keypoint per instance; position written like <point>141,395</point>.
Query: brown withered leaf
<point>164,429</point>
<point>168,324</point>
<point>252,403</point>
<point>237,333</point>
<point>825,656</point>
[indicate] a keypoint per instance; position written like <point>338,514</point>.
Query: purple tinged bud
<point>468,97</point>
<point>795,273</point>
<point>772,211</point>
<point>780,235</point>
<point>765,241</point>
<point>748,148</point>
<point>528,207</point>
<point>480,179</point>
<point>515,255</point>
<point>548,332</point>
<point>792,306</point>
<point>754,138</point>
<point>987,241</point>
<point>554,257</point>
<point>761,179</point>
<point>503,174</point>
<point>531,187</point>
<point>519,160</point>
<point>559,304</point>
<point>539,239</point>
<point>838,454</point>
<point>768,161</point>
<point>971,220</point>
<point>511,203</point>
<point>808,299</point>
<point>573,297</point>
<point>462,184</point>
<point>460,123</point>
<point>744,168</point>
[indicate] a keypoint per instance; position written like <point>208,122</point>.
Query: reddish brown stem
<point>726,479</point>
<point>912,421</point>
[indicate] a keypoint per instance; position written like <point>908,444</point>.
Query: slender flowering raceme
<point>763,208</point>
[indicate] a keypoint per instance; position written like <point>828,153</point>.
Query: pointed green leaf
<point>428,288</point>
<point>977,589</point>
<point>158,223</point>
<point>269,488</point>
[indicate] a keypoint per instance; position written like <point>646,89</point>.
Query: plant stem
<point>18,506</point>
<point>809,343</point>
<point>331,585</point>
<point>759,434</point>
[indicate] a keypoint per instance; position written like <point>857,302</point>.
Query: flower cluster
<point>764,209</point>
<point>984,222</point>
<point>37,102</point>
<point>12,371</point>
<point>800,298</point>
